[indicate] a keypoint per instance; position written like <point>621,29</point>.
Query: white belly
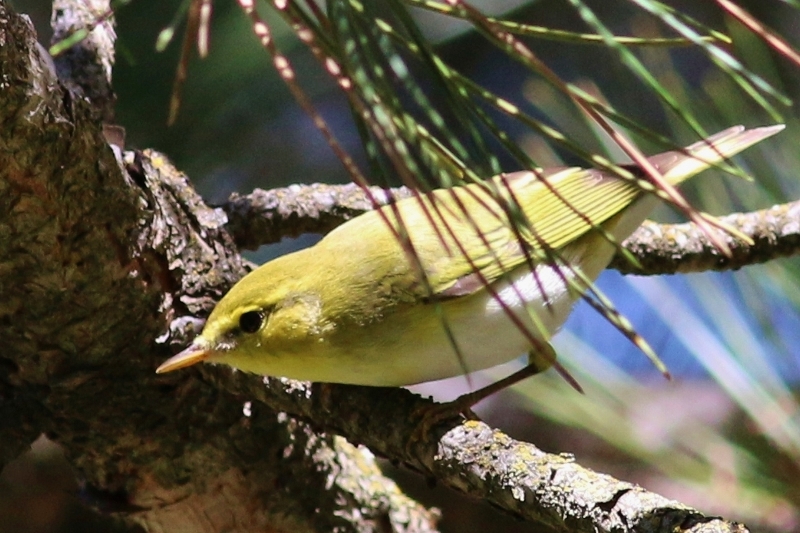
<point>484,331</point>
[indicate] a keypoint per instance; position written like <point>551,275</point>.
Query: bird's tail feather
<point>677,166</point>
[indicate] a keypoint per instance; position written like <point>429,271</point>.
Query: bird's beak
<point>197,352</point>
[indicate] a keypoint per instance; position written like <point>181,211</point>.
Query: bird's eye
<point>250,322</point>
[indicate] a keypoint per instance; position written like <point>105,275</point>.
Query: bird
<point>443,283</point>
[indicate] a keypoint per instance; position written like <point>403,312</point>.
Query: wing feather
<point>489,218</point>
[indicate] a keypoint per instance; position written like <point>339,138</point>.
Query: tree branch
<point>673,248</point>
<point>473,458</point>
<point>99,258</point>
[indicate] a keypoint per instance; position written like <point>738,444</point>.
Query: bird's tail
<point>679,165</point>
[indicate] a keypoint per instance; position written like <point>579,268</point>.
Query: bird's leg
<point>539,360</point>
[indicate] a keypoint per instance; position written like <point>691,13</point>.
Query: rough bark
<point>102,265</point>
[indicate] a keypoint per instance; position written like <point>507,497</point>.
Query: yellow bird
<point>503,261</point>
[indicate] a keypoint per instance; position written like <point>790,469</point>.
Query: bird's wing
<point>544,210</point>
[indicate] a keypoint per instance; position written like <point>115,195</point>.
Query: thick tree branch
<point>471,457</point>
<point>263,217</point>
<point>99,258</point>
